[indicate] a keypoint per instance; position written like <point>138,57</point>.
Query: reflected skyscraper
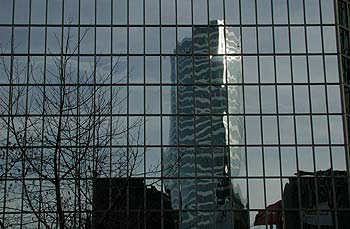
<point>202,130</point>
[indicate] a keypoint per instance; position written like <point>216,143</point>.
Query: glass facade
<point>174,114</point>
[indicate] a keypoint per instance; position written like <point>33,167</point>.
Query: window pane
<point>329,39</point>
<point>200,12</point>
<point>253,130</point>
<point>231,11</point>
<point>6,11</point>
<point>299,69</point>
<point>298,39</point>
<point>136,40</point>
<point>281,39</point>
<point>250,69</point>
<point>303,126</point>
<point>318,99</point>
<point>87,11</point>
<point>312,11</point>
<point>184,12</point>
<point>152,11</point>
<point>286,124</point>
<point>301,104</point>
<point>248,11</point>
<point>268,99</point>
<point>136,11</point>
<point>264,11</point>
<point>249,40</point>
<point>71,12</point>
<point>320,125</point>
<point>334,102</point>
<point>22,11</point>
<point>316,69</point>
<point>251,96</point>
<point>270,135</point>
<point>296,12</point>
<point>120,11</point>
<point>327,8</point>
<point>332,73</point>
<point>280,14</point>
<point>216,11</point>
<point>285,103</point>
<point>283,69</point>
<point>314,43</point>
<point>168,12</point>
<point>265,40</point>
<point>152,40</point>
<point>38,11</point>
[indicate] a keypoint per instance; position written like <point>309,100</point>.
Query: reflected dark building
<point>128,203</point>
<point>310,200</point>
<point>204,137</point>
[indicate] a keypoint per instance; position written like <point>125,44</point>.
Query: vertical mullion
<point>342,83</point>
<point>260,111</point>
<point>294,120</point>
<point>128,173</point>
<point>111,71</point>
<point>26,116</point>
<point>144,116</point>
<point>63,58</point>
<point>310,107</point>
<point>194,105</point>
<point>244,110</point>
<point>43,112</point>
<point>78,178</point>
<point>178,148</point>
<point>328,121</point>
<point>78,122</point>
<point>227,150</point>
<point>161,118</point>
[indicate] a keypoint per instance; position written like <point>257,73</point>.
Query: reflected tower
<point>202,129</point>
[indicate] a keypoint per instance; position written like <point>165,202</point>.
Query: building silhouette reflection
<point>128,203</point>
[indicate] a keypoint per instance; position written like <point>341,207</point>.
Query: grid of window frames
<point>130,59</point>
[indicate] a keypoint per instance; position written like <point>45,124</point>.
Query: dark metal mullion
<point>204,145</point>
<point>209,30</point>
<point>310,107</point>
<point>244,112</point>
<point>62,56</point>
<point>112,66</point>
<point>162,148</point>
<point>178,149</point>
<point>342,82</point>
<point>155,25</point>
<point>167,54</point>
<point>78,121</point>
<point>276,104</point>
<point>294,123</point>
<point>186,177</point>
<point>260,111</point>
<point>227,150</point>
<point>328,121</point>
<point>26,115</point>
<point>171,84</point>
<point>94,156</point>
<point>194,107</point>
<point>144,116</point>
<point>43,111</point>
<point>128,173</point>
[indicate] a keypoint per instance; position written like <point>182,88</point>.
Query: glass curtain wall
<point>173,114</point>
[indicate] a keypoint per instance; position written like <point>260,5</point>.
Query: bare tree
<point>59,125</point>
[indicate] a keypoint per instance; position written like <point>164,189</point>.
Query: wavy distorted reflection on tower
<point>203,131</point>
